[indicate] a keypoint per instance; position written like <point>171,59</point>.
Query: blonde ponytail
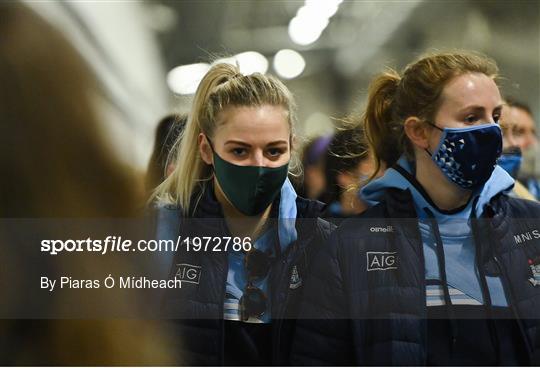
<point>222,86</point>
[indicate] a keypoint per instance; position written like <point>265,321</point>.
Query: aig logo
<point>188,273</point>
<point>381,261</point>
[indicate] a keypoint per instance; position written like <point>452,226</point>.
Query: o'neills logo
<point>188,273</point>
<point>379,229</point>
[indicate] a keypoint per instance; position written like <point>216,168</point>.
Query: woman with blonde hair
<point>237,303</point>
<point>444,268</point>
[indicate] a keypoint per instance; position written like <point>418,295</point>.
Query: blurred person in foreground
<point>162,163</point>
<point>347,168</point>
<point>511,157</point>
<point>519,115</point>
<point>313,179</point>
<point>55,164</point>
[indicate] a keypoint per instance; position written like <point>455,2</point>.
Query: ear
<point>170,169</point>
<point>205,150</point>
<point>417,131</point>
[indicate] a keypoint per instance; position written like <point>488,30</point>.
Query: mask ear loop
<point>436,127</point>
<point>213,151</point>
<point>209,143</point>
<point>291,136</point>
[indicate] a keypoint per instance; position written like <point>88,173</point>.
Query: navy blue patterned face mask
<point>467,156</point>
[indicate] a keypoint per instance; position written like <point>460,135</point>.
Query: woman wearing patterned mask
<point>444,268</point>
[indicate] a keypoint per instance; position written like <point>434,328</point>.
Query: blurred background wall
<point>149,55</point>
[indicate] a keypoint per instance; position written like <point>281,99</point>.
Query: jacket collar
<point>206,205</point>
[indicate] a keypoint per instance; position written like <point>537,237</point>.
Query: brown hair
<point>347,149</point>
<point>167,132</point>
<point>55,163</point>
<point>54,157</point>
<point>392,98</point>
<point>513,102</point>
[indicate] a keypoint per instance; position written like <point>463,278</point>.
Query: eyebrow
<point>480,108</point>
<point>232,141</point>
<point>274,143</point>
<point>277,142</point>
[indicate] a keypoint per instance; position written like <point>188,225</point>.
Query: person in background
<point>313,155</point>
<point>443,268</point>
<point>347,168</point>
<point>524,126</point>
<point>521,118</point>
<point>56,164</point>
<point>231,181</point>
<point>511,157</point>
<point>161,163</point>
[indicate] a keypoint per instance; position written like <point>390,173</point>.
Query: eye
<point>239,151</point>
<point>496,118</point>
<point>519,132</point>
<point>275,152</point>
<point>470,119</point>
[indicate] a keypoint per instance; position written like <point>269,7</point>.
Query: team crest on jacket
<point>296,280</point>
<point>534,264</point>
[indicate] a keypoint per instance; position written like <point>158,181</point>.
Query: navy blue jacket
<point>352,316</point>
<point>196,310</point>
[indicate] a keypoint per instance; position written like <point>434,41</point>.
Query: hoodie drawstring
<point>484,286</point>
<point>442,272</point>
<point>483,282</point>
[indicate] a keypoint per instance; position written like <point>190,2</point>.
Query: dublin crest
<point>534,264</point>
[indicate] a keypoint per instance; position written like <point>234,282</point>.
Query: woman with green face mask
<point>237,306</point>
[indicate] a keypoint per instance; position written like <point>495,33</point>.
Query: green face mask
<point>251,189</point>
